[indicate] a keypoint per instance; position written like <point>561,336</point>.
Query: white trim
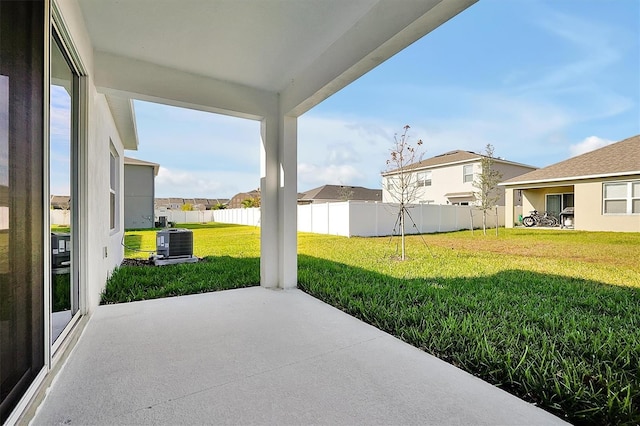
<point>114,188</point>
<point>628,198</point>
<point>82,251</point>
<point>60,341</point>
<point>25,400</point>
<point>569,179</point>
<point>58,24</point>
<point>465,174</point>
<point>46,213</point>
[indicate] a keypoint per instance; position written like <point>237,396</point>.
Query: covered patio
<point>249,356</point>
<point>260,356</point>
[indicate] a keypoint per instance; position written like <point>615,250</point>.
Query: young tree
<point>486,183</point>
<point>188,207</point>
<point>402,184</point>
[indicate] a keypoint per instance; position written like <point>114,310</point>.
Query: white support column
<point>278,186</point>
<point>508,208</point>
<point>288,203</point>
<point>269,202</point>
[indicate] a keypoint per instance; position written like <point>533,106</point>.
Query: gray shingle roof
<point>338,192</point>
<point>621,158</point>
<point>451,157</point>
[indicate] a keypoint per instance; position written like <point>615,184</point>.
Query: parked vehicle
<point>537,219</point>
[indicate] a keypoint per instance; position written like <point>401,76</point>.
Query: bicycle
<point>537,219</point>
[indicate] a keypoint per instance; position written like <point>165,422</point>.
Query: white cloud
<point>311,176</point>
<point>207,184</point>
<point>347,151</point>
<point>60,113</point>
<point>588,144</point>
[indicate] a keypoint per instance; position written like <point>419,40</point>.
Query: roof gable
<point>618,158</point>
<point>449,158</point>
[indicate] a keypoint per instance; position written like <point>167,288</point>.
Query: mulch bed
<point>137,262</point>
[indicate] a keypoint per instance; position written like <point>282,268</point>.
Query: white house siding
<point>94,174</point>
<point>444,179</point>
<point>100,236</point>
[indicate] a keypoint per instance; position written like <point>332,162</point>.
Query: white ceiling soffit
<point>125,120</point>
<point>304,50</point>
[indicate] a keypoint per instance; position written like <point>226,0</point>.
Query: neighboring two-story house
<point>139,192</point>
<point>448,178</point>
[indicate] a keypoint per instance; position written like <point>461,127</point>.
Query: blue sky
<point>540,80</point>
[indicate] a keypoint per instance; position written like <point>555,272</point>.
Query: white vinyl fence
<point>349,218</point>
<point>60,217</point>
<point>179,216</point>
<point>353,218</point>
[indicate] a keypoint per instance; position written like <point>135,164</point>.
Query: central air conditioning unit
<point>174,246</point>
<point>60,252</point>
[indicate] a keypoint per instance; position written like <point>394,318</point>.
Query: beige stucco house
<point>603,187</point>
<point>448,178</point>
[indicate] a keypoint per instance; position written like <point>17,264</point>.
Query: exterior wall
<point>443,180</point>
<point>532,199</point>
<point>450,179</point>
<point>138,196</point>
<point>509,212</point>
<point>103,250</point>
<point>589,213</point>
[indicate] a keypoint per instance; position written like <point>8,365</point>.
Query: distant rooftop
<point>341,192</point>
<point>451,157</point>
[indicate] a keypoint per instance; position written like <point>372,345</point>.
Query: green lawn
<point>551,316</point>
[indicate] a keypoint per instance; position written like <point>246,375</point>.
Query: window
<point>621,197</point>
<point>423,178</point>
<point>467,173</point>
<point>113,188</point>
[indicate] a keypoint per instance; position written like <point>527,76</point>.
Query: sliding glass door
<point>22,94</point>
<point>558,202</point>
<point>63,162</point>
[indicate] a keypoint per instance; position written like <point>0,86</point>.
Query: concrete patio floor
<point>258,356</point>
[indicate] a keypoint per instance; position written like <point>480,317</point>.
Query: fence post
<point>377,227</point>
<point>471,216</point>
